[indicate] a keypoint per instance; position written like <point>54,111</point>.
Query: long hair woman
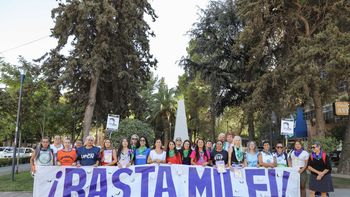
<point>142,151</point>
<point>108,154</point>
<point>200,156</point>
<point>125,154</point>
<point>173,156</point>
<point>157,155</point>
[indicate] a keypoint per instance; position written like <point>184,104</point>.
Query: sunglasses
<point>133,138</point>
<point>313,147</point>
<point>279,147</point>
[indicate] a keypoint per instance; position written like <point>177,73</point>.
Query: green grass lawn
<point>23,182</point>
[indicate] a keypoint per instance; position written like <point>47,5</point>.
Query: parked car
<point>4,150</point>
<point>335,156</point>
<point>23,152</point>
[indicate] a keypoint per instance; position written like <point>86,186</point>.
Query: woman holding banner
<point>186,152</point>
<point>42,156</point>
<point>88,155</point>
<point>173,156</point>
<point>108,154</point>
<point>142,151</point>
<point>157,155</point>
<point>125,154</point>
<point>235,153</point>
<point>266,158</point>
<point>219,154</point>
<point>320,168</point>
<point>298,159</point>
<point>66,156</point>
<point>251,156</point>
<point>200,156</point>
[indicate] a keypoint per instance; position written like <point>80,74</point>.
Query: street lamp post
<point>22,75</point>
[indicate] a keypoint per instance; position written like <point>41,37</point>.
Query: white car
<point>23,152</point>
<point>4,150</point>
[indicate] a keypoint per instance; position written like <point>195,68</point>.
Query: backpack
<point>324,155</point>
<point>38,149</point>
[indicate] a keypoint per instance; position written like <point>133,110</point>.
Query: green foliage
<point>8,161</point>
<point>128,127</point>
<point>110,50</point>
<point>338,132</point>
<point>39,114</point>
<point>328,144</point>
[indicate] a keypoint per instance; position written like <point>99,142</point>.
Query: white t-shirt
<point>55,150</point>
<point>154,155</point>
<point>299,162</point>
<point>267,157</point>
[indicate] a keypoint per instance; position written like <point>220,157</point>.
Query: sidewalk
<point>8,169</point>
<point>16,194</point>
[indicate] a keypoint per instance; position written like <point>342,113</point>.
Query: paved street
<point>8,169</point>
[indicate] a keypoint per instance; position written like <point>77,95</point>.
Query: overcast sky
<point>28,23</point>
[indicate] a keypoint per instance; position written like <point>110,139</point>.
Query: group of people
<point>227,149</point>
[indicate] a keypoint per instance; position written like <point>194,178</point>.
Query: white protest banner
<point>287,127</point>
<point>112,122</point>
<point>164,180</point>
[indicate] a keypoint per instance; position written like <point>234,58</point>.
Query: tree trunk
<point>320,123</point>
<point>344,165</point>
<point>251,131</point>
<point>89,110</point>
<point>212,114</point>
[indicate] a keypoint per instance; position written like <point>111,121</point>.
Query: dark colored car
<point>335,156</point>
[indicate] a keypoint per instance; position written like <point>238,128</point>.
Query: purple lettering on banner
<point>54,185</point>
<point>169,180</point>
<point>98,172</point>
<point>144,170</point>
<point>252,188</point>
<point>285,178</point>
<point>195,182</point>
<point>228,183</point>
<point>273,182</point>
<point>118,184</point>
<point>217,183</point>
<point>68,182</point>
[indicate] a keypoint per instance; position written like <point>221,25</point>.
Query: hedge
<point>8,161</point>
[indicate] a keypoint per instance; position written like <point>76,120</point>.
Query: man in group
<point>222,138</point>
<point>178,142</point>
<point>88,155</point>
<point>78,144</point>
<point>56,146</point>
<point>229,141</point>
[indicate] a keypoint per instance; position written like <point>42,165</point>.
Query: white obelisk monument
<point>181,122</point>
